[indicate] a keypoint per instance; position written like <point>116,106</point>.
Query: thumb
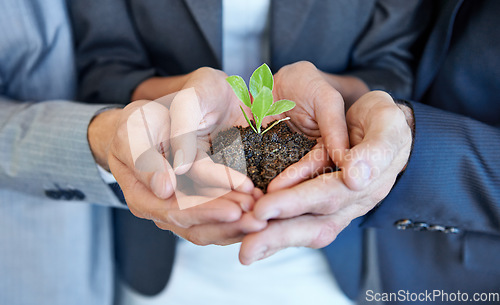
<point>385,146</point>
<point>146,138</point>
<point>186,116</point>
<point>366,161</point>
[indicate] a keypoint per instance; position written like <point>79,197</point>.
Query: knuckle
<point>205,70</point>
<point>330,204</point>
<point>303,205</point>
<point>326,235</point>
<point>325,204</point>
<point>306,121</point>
<point>232,215</point>
<point>208,71</point>
<point>121,134</point>
<point>304,64</point>
<point>324,94</point>
<point>389,113</point>
<point>162,226</point>
<point>170,218</point>
<point>379,95</point>
<point>194,237</point>
<point>336,201</point>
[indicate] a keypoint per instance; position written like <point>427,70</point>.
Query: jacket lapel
<point>286,23</point>
<point>208,16</point>
<point>435,50</point>
<point>287,20</point>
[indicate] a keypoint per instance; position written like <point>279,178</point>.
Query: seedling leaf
<point>240,89</point>
<point>261,86</point>
<point>261,105</point>
<point>261,77</point>
<point>280,106</point>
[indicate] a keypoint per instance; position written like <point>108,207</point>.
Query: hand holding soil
<point>313,212</point>
<point>309,203</point>
<point>139,156</point>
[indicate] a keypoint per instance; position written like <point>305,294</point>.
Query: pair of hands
<point>308,205</point>
<point>305,205</point>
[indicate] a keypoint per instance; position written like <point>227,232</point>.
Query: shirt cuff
<point>105,175</point>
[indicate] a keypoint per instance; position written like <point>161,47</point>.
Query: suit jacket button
<point>77,194</point>
<point>403,224</point>
<point>452,230</point>
<point>53,194</point>
<point>67,194</point>
<point>436,228</point>
<point>420,226</point>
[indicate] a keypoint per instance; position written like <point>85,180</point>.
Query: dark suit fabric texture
<point>450,191</point>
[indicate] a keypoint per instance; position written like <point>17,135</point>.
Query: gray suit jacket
<point>55,233</point>
<point>120,43</point>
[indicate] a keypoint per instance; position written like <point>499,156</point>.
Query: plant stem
<point>248,121</point>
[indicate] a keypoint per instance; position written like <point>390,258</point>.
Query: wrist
<point>100,133</point>
<point>156,87</point>
<point>351,88</point>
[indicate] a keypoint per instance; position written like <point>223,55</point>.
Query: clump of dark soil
<point>261,157</point>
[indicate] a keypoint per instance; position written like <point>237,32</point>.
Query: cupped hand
<point>319,110</point>
<point>205,106</point>
<point>137,157</point>
<point>322,99</point>
<point>313,212</point>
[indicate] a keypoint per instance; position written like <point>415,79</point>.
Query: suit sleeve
<point>110,58</point>
<point>44,148</point>
<point>452,177</point>
<point>384,56</point>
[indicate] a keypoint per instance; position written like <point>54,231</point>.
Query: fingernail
<point>270,214</point>
<point>362,172</point>
<point>178,160</point>
<point>159,185</point>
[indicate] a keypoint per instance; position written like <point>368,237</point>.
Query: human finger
<point>144,204</point>
<point>324,194</point>
<point>186,116</point>
<point>303,231</point>
<point>205,172</point>
<point>223,233</point>
<point>246,201</point>
<point>141,143</point>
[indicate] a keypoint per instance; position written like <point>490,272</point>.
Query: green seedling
<point>261,87</point>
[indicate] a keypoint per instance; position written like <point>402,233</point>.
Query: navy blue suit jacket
<point>448,199</point>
